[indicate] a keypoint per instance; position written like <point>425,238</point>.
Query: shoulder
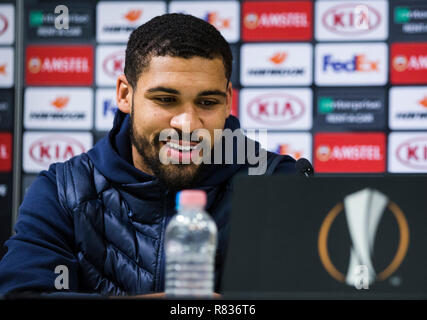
<point>281,163</point>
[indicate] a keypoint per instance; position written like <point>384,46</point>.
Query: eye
<point>207,103</point>
<point>165,100</point>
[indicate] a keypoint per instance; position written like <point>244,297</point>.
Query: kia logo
<point>413,153</point>
<point>114,64</point>
<point>47,150</point>
<point>276,109</point>
<point>342,19</point>
<point>3,24</point>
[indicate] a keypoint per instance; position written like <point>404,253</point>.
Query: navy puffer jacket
<point>105,221</point>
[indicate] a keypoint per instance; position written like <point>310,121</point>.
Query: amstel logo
<point>34,65</point>
<point>363,210</point>
<point>400,63</point>
<point>323,153</point>
<point>251,20</point>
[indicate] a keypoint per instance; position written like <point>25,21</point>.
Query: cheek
<point>149,122</point>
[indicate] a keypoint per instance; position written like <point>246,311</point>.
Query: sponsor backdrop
<point>342,83</point>
<point>331,80</point>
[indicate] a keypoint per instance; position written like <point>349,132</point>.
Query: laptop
<point>341,237</point>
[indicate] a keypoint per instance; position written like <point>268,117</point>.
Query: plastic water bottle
<point>190,243</point>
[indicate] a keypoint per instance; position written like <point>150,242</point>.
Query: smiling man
<point>96,223</point>
<point>179,94</point>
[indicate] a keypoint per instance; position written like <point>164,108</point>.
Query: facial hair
<point>173,176</point>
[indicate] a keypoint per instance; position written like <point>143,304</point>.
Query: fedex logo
<point>106,109</point>
<point>366,63</point>
<point>223,15</point>
<point>359,63</point>
<point>109,107</point>
<point>217,21</point>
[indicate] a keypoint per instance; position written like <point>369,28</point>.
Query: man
<point>98,220</point>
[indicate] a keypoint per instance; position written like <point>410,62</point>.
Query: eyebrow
<point>163,89</point>
<point>201,94</point>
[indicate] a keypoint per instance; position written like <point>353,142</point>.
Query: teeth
<point>179,147</point>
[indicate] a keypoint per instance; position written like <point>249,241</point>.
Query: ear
<point>229,100</point>
<point>124,94</point>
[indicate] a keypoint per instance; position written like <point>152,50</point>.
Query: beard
<point>173,176</point>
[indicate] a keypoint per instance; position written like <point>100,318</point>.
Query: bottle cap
<point>190,198</point>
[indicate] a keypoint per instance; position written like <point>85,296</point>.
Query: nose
<point>187,119</point>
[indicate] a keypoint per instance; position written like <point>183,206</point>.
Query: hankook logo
<point>363,211</point>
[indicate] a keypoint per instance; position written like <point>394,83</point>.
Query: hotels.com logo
<point>60,102</point>
<point>359,63</point>
<point>413,153</point>
<point>345,19</point>
<point>133,15</point>
<point>3,24</point>
<point>220,23</point>
<point>276,109</point>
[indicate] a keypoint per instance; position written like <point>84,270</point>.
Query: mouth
<point>182,151</point>
<point>182,146</point>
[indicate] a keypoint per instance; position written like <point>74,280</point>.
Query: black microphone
<point>304,167</point>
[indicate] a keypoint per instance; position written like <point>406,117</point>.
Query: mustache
<point>176,134</point>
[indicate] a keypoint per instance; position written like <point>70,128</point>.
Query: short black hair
<point>175,35</point>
